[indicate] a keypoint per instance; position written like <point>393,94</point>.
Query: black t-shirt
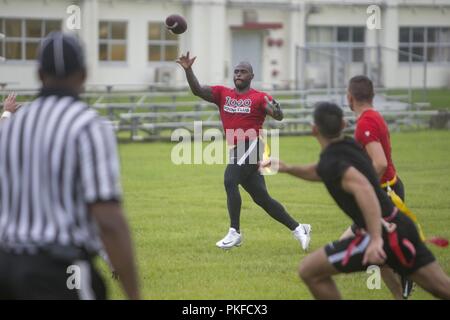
<point>334,161</point>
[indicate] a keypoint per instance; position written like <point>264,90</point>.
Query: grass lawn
<point>177,213</point>
<point>438,98</point>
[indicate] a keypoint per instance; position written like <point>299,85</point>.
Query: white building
<point>291,43</point>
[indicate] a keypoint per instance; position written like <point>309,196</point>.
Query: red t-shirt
<point>371,127</point>
<point>244,111</point>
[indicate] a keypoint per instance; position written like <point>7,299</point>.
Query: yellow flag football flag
<point>398,202</point>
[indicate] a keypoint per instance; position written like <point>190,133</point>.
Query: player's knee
<point>261,200</point>
<point>441,290</point>
<point>305,271</point>
<point>439,293</point>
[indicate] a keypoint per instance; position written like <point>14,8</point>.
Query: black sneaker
<point>407,287</point>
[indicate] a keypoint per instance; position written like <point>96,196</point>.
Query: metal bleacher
<point>154,121</point>
<point>143,115</point>
<point>142,119</point>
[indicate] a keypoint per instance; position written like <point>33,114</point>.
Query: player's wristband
<point>6,114</point>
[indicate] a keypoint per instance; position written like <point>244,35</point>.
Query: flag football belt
<point>398,202</point>
<point>248,150</point>
<point>389,183</point>
<point>266,154</point>
<point>393,241</point>
<point>395,246</point>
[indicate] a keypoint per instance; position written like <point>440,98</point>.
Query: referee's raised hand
<point>9,105</point>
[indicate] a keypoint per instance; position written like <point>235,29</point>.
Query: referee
<point>60,195</point>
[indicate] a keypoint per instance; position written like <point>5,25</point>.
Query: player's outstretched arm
<point>355,183</point>
<point>273,109</point>
<point>204,92</point>
<point>305,172</point>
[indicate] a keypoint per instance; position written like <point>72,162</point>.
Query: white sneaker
<point>232,239</point>
<point>303,234</point>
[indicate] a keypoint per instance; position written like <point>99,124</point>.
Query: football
<point>176,24</point>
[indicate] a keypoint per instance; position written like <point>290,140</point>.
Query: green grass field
<point>177,213</point>
<point>439,99</point>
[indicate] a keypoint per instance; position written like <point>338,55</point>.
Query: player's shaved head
<point>243,75</point>
<point>244,65</point>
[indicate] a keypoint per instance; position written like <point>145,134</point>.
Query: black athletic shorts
<point>398,188</point>
<point>347,255</point>
<point>54,274</point>
<point>247,152</point>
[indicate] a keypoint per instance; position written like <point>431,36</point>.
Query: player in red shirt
<point>389,238</point>
<point>243,111</point>
<point>372,133</point>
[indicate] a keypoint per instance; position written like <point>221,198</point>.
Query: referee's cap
<point>61,54</point>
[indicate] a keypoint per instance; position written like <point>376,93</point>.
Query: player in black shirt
<point>384,234</point>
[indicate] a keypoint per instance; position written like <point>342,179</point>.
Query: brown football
<point>176,23</point>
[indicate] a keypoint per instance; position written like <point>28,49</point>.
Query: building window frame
<point>110,41</point>
<point>424,45</point>
<point>24,39</point>
<point>335,45</point>
<point>162,43</point>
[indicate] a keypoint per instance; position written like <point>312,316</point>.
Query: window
<point>23,36</point>
<point>112,41</point>
<point>320,35</point>
<point>347,42</point>
<point>424,43</point>
<point>343,34</point>
<point>162,44</point>
<point>358,35</point>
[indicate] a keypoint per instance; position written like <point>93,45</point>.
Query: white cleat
<point>303,234</point>
<point>232,239</point>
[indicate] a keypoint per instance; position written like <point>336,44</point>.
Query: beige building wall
<point>210,37</point>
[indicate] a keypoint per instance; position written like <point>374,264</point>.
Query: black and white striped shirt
<point>56,156</point>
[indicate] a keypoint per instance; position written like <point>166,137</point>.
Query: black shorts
<point>398,188</point>
<point>247,152</point>
<point>55,275</point>
<point>347,261</point>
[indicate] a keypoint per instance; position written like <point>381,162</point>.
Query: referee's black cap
<point>61,54</point>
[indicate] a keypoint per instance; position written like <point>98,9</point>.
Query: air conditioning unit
<point>165,75</point>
